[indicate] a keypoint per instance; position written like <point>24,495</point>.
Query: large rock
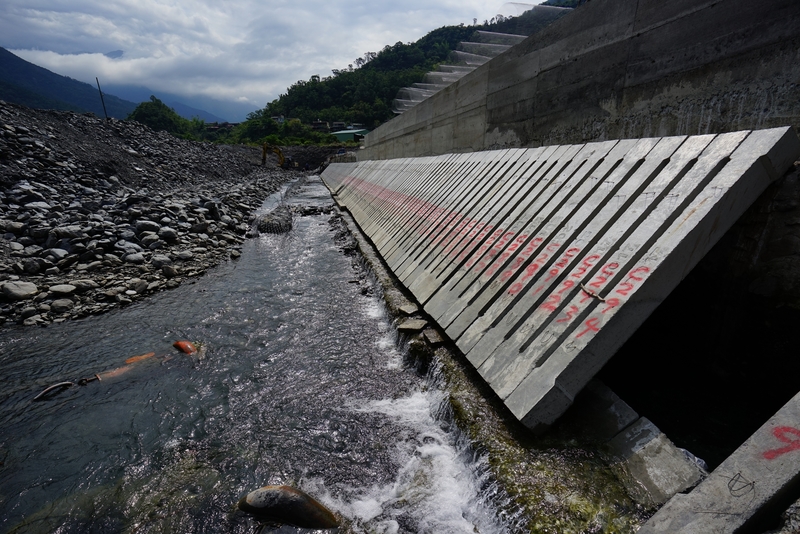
<point>136,258</point>
<point>61,306</point>
<point>84,285</point>
<point>68,232</point>
<point>12,227</point>
<point>284,504</point>
<point>63,289</point>
<point>19,290</point>
<point>143,225</point>
<point>159,260</point>
<point>170,235</point>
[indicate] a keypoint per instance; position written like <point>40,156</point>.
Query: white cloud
<point>235,50</point>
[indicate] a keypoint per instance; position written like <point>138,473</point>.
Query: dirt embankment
<point>97,214</point>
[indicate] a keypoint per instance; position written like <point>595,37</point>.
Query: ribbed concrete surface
<point>539,263</point>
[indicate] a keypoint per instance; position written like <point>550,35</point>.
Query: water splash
<point>441,485</point>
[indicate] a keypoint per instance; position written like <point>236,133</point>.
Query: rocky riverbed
<point>96,214</point>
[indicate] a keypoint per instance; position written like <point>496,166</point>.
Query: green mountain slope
<point>19,95</point>
<point>30,85</point>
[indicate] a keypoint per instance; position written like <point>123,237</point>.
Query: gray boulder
<point>17,290</point>
<point>159,260</point>
<point>61,306</point>
<point>143,225</point>
<point>284,504</point>
<point>63,289</point>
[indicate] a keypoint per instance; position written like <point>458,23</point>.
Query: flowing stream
<point>303,382</point>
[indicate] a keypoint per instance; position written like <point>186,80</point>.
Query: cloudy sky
<point>235,50</point>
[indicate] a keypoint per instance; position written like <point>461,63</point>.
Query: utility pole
<point>102,100</point>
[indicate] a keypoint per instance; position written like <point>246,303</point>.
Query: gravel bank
<point>96,214</point>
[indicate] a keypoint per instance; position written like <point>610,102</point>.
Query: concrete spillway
<point>539,263</point>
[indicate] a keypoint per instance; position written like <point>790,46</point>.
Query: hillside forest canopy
<point>360,94</point>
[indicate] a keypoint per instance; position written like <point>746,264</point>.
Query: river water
<point>303,382</point>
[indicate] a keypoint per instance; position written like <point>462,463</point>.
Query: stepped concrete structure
<point>539,263</point>
<point>541,207</point>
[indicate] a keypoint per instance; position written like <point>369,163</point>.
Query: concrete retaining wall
<point>617,69</point>
<point>539,263</point>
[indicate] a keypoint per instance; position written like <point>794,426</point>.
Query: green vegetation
<point>256,129</point>
<point>364,94</point>
<point>158,116</point>
<point>19,95</point>
<point>260,128</point>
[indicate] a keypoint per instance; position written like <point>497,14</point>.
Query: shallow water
<point>303,382</point>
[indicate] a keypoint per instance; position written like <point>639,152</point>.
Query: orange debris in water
<point>114,372</point>
<point>140,358</point>
<point>186,347</point>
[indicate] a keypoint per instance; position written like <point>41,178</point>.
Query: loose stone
<point>19,290</point>
<point>60,306</point>
<point>62,289</point>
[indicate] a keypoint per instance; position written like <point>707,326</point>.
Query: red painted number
<point>785,434</point>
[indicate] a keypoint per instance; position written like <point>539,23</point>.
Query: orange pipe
<point>115,372</point>
<point>134,359</point>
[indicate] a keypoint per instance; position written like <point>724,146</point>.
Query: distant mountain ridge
<point>188,112</point>
<point>22,82</point>
<point>207,108</point>
<point>33,86</point>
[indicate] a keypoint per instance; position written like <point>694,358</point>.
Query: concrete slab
<point>624,209</point>
<point>650,466</point>
<point>457,246</point>
<point>579,343</point>
<point>437,215</point>
<point>409,309</point>
<point>433,337</point>
<point>407,326</point>
<point>757,474</point>
<point>545,234</point>
<point>598,414</point>
<point>540,263</point>
<point>479,187</point>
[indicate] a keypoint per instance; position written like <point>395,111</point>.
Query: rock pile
<point>96,214</point>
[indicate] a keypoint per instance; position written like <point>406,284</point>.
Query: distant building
<point>338,125</point>
<point>320,126</point>
<point>216,126</point>
<point>350,135</point>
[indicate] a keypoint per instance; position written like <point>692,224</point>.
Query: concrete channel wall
<point>616,69</point>
<point>540,263</point>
